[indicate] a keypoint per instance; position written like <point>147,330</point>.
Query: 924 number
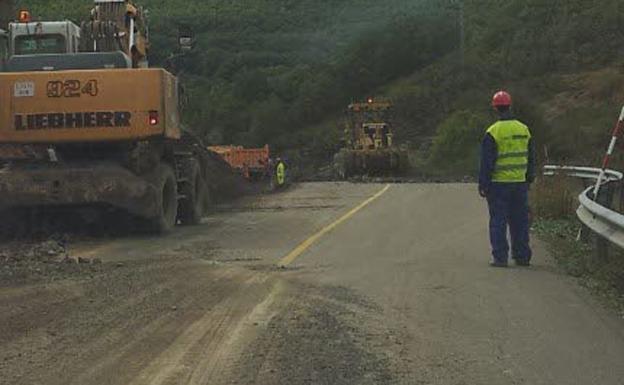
<point>72,88</point>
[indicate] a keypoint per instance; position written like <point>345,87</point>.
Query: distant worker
<point>280,172</point>
<point>507,170</point>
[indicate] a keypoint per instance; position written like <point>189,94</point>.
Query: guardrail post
<point>605,199</point>
<point>598,215</point>
<point>585,234</point>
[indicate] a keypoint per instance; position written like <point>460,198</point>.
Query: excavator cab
<point>53,46</point>
<point>43,38</point>
<point>27,37</point>
<point>378,134</point>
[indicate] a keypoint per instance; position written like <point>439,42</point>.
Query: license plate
<point>24,89</point>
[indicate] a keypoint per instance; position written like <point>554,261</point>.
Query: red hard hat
<point>501,98</point>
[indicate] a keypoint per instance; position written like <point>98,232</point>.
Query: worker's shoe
<point>523,262</point>
<point>499,264</point>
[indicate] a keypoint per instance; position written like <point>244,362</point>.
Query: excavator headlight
<point>153,118</point>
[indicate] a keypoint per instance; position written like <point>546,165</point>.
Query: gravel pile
<point>28,262</point>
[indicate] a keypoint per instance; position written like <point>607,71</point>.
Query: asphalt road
<point>326,283</point>
<point>421,252</point>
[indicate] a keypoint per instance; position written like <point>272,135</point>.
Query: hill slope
<point>279,71</point>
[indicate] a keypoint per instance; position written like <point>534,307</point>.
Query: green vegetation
<point>603,277</point>
<point>281,71</point>
<point>457,140</point>
<point>267,71</point>
<point>553,204</point>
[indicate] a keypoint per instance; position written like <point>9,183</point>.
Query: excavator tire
<point>194,192</point>
<point>163,178</point>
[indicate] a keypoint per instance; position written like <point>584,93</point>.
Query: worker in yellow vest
<point>280,173</point>
<point>507,170</point>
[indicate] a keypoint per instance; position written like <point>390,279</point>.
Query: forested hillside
<point>281,71</point>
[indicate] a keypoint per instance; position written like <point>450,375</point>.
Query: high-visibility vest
<point>281,174</point>
<point>512,141</point>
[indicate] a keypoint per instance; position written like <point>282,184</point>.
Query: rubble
<point>22,262</point>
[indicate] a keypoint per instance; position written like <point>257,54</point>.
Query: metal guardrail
<point>601,220</point>
<point>583,172</point>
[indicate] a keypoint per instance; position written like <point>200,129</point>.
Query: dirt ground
<point>398,294</point>
<point>201,306</point>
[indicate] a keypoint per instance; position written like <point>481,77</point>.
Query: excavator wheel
<point>194,193</point>
<point>163,178</point>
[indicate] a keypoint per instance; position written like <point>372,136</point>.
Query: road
<point>326,283</point>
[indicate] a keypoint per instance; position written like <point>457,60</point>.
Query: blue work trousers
<point>509,209</point>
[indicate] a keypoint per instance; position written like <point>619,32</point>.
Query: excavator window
<point>40,44</point>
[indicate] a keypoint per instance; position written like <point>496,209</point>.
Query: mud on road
<point>186,320</point>
<point>398,292</point>
<point>205,305</point>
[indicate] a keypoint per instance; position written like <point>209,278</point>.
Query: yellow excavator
<point>369,148</point>
<point>83,121</point>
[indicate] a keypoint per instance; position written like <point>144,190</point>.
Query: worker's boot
<point>499,264</point>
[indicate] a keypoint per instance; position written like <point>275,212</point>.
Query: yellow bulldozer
<point>83,121</point>
<point>369,142</point>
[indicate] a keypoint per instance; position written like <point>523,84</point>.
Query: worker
<point>280,172</point>
<point>507,170</point>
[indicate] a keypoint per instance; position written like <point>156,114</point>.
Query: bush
<point>456,145</point>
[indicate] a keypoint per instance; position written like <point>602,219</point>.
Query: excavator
<point>84,121</point>
<point>369,142</point>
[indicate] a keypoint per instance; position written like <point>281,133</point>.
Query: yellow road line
<point>305,245</point>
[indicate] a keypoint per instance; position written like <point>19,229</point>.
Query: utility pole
<point>462,34</point>
<point>215,16</point>
<point>458,6</point>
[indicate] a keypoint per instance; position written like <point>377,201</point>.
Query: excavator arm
<point>117,25</point>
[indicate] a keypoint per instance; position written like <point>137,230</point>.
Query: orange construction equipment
<point>252,163</point>
<point>84,122</point>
